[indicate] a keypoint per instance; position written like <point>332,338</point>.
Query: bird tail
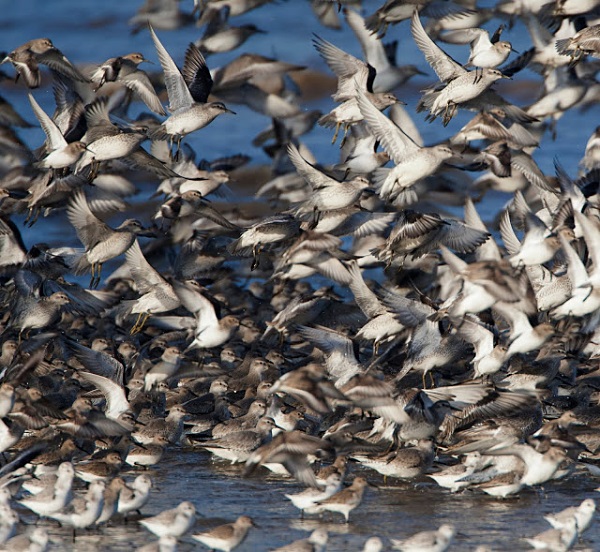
<point>81,265</point>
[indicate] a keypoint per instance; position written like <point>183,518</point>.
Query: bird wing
<point>393,139</point>
<point>55,138</point>
<point>444,66</point>
<point>180,96</point>
<point>88,226</point>
<point>196,74</point>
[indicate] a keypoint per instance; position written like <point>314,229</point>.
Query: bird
<point>102,243</point>
<point>157,295</point>
<point>188,92</point>
<point>582,43</point>
<point>486,51</point>
<point>125,70</point>
<point>59,153</point>
<point>344,501</point>
<point>432,541</point>
<point>27,57</point>
<point>226,537</point>
<point>172,523</point>
<point>461,85</point>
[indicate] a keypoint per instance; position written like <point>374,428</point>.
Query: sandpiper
<point>26,57</point>
<point>188,92</point>
<point>59,154</point>
<point>226,537</point>
<point>125,70</point>
<point>486,51</point>
<point>101,242</point>
<point>585,42</point>
<point>432,541</point>
<point>345,500</point>
<point>172,523</point>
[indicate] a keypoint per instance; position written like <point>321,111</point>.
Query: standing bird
<point>346,500</point>
<point>188,93</point>
<point>226,537</point>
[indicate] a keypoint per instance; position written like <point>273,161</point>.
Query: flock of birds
<point>432,348</point>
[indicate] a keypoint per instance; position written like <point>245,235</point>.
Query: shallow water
<point>394,509</point>
<point>94,31</point>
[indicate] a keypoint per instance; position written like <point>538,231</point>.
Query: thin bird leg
<point>178,139</point>
<point>335,134</point>
<point>256,248</point>
<point>96,270</point>
<point>346,128</point>
<point>139,323</point>
<point>93,274</point>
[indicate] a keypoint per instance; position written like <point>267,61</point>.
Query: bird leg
<point>346,129</point>
<point>256,249</point>
<point>335,134</point>
<point>139,323</point>
<point>449,112</point>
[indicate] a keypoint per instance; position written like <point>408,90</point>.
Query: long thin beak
<point>230,111</point>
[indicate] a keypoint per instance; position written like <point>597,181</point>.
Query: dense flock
<point>338,326</point>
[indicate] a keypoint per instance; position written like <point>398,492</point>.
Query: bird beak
<point>515,51</point>
<point>230,111</point>
<point>506,77</point>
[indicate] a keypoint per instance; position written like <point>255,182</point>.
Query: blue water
<point>92,31</point>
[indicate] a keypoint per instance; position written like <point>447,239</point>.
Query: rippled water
<point>92,31</point>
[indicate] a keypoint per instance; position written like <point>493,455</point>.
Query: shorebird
<point>59,154</point>
<point>157,295</point>
<point>239,445</point>
<point>352,74</point>
<point>26,58</point>
<point>226,537</point>
<point>432,541</point>
<point>315,542</point>
<point>164,369</point>
<point>486,51</point>
<point>388,75</point>
<point>188,91</point>
<point>85,510</point>
<point>306,500</point>
<point>328,194</point>
<point>583,43</point>
<point>555,539</point>
<point>54,497</point>
<point>583,514</point>
<point>461,85</point>
<point>345,500</point>
<point>412,162</point>
<point>267,232</point>
<point>125,70</point>
<point>135,495</point>
<point>219,36</point>
<point>172,523</point>
<point>101,242</point>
